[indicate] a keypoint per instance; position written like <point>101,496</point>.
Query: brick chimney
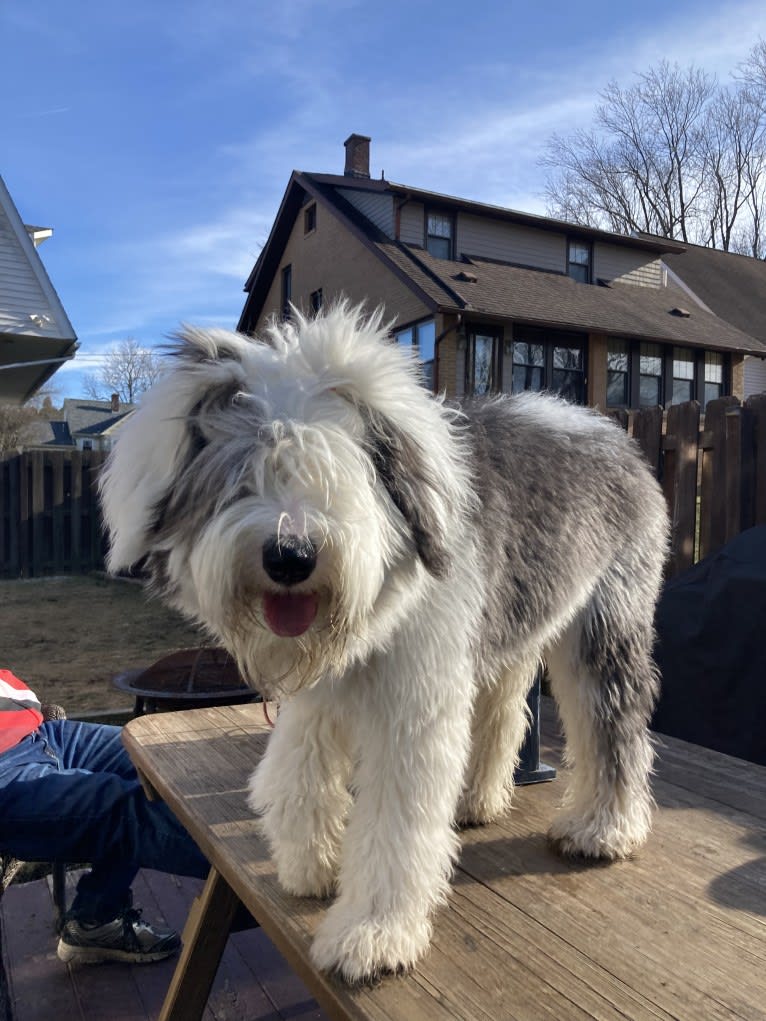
<point>357,156</point>
<point>115,403</point>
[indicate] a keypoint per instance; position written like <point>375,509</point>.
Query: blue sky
<point>157,137</point>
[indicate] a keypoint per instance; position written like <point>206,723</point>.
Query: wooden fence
<point>49,515</point>
<point>712,468</point>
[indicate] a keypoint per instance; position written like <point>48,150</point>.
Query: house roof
<point>500,290</point>
<point>92,418</point>
<point>83,418</point>
<point>733,286</point>
<point>36,335</point>
<point>536,297</point>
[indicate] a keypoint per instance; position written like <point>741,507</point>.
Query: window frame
<point>316,301</point>
<point>573,240</point>
<point>286,289</point>
<point>429,211</point>
<point>550,340</point>
<point>667,377</point>
<point>309,219</point>
<point>428,366</point>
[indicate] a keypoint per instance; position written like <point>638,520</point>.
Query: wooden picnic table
<point>677,933</point>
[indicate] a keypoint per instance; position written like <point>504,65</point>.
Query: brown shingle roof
<point>732,286</point>
<point>552,299</point>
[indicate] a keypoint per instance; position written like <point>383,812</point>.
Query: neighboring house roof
<point>83,418</point>
<point>502,290</point>
<point>730,285</point>
<point>93,418</point>
<point>36,335</point>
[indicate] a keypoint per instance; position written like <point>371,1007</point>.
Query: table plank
<point>678,932</point>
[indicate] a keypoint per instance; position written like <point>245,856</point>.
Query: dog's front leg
<point>399,844</point>
<point>300,789</point>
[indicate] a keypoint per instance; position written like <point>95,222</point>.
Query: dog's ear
<point>412,483</point>
<point>157,441</point>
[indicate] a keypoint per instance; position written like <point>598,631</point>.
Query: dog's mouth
<point>290,614</point>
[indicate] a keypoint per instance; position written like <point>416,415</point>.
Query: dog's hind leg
<point>300,788</point>
<point>605,684</point>
<point>500,722</point>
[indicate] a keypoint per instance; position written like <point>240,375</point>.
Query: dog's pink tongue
<point>289,615</point>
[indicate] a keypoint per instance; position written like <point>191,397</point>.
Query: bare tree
<point>675,155</point>
<point>15,420</point>
<point>128,370</point>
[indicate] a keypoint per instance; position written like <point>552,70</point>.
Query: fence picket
<point>48,505</point>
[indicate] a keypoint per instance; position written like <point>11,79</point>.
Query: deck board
<point>676,934</point>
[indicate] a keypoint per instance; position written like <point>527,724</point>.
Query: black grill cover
<point>711,624</point>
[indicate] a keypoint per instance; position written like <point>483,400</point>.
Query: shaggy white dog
<point>394,571</point>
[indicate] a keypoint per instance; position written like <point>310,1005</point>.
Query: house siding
<point>379,209</point>
<point>333,259</point>
<point>510,242</point>
<point>412,223</point>
<point>21,294</point>
<point>755,375</point>
<point>612,262</point>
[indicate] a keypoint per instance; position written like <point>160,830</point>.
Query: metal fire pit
<point>189,679</point>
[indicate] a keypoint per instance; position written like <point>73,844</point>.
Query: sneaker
<point>126,938</point>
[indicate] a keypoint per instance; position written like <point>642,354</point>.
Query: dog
<point>393,570</point>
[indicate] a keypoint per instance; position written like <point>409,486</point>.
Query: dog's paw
<point>598,839</point>
<point>361,949</point>
<point>480,809</point>
<point>305,873</point>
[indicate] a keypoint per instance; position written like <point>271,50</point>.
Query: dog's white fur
<point>454,552</point>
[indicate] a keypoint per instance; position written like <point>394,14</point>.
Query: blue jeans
<point>70,793</point>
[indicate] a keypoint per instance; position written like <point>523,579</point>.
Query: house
<point>35,333</point>
<point>86,425</point>
<point>731,286</point>
<point>493,299</point>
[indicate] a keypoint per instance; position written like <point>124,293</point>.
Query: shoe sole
<point>99,955</point>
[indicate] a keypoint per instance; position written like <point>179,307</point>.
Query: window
<point>618,374</point>
<point>528,366</point>
<point>483,348</point>
<point>683,376</point>
<point>650,375</point>
<point>714,383</point>
<point>315,299</point>
<point>287,290</point>
<point>578,261</point>
<point>439,235</point>
<point>310,218</point>
<point>641,375</point>
<point>422,338</point>
<point>549,360</point>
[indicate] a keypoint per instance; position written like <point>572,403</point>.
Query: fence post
<point>713,476</point>
<point>681,445</point>
<point>740,470</point>
<point>647,432</point>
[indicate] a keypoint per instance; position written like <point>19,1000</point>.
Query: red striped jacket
<point>19,711</point>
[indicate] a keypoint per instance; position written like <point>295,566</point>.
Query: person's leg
<point>50,810</point>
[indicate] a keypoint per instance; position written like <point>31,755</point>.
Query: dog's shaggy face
<point>277,494</point>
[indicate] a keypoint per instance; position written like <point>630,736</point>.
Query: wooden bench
<point>677,933</point>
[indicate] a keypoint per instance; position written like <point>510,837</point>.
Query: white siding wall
<point>20,291</point>
<point>755,375</point>
<point>510,242</point>
<point>378,208</point>
<point>613,262</point>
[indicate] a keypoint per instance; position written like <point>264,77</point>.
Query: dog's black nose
<point>289,559</point>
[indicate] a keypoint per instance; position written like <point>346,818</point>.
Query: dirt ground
<point>69,637</point>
